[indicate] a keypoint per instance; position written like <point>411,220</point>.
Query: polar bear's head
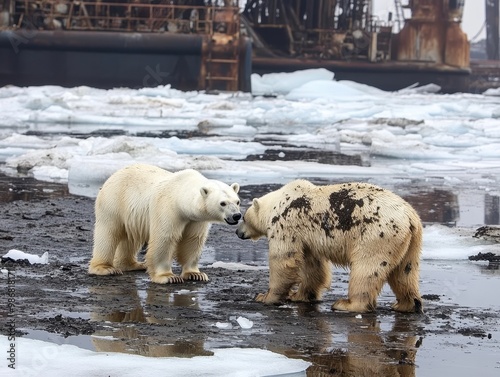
<point>254,224</point>
<point>221,201</point>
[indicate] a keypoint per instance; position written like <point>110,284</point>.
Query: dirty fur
<point>370,230</point>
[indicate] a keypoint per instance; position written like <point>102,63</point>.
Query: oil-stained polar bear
<point>373,231</point>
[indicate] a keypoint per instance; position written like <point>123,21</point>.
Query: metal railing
<point>126,16</point>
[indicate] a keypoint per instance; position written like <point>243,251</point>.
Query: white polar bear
<point>171,212</point>
<point>373,231</point>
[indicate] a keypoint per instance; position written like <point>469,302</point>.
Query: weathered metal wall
<point>433,34</point>
<point>100,59</point>
<point>108,59</point>
<point>124,43</point>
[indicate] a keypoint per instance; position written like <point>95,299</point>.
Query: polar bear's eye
<point>222,204</point>
<point>238,203</point>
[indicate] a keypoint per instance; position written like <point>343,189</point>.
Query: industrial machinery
<point>216,45</point>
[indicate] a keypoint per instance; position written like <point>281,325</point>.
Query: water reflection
<point>436,206</point>
<point>27,188</point>
<point>157,308</point>
<point>354,347</point>
<point>337,344</point>
<point>129,340</point>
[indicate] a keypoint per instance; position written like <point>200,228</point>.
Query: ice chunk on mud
<point>21,255</point>
<point>244,323</point>
<point>224,325</point>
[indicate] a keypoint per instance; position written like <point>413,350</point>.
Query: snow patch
<point>21,255</point>
<point>236,266</point>
<point>47,359</point>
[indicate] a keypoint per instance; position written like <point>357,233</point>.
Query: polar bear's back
<point>124,199</point>
<point>335,217</point>
<point>366,203</point>
<point>350,203</point>
<point>131,192</point>
<point>131,182</point>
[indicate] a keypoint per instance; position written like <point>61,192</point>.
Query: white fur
<point>171,212</point>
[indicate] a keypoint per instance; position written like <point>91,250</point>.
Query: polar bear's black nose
<point>237,216</point>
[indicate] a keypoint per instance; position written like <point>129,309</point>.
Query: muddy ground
<point>458,335</point>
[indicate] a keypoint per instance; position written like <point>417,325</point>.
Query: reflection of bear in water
<point>372,231</point>
<point>347,346</point>
<point>127,335</point>
<point>171,212</point>
<point>370,351</point>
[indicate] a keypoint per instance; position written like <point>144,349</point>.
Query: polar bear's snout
<point>241,234</point>
<point>232,219</point>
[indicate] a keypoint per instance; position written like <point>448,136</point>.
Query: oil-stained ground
<point>459,334</point>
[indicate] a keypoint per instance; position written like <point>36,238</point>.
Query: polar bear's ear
<point>256,204</point>
<point>235,187</point>
<point>204,191</point>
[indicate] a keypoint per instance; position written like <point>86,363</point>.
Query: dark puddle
<point>28,188</point>
<point>125,340</point>
<point>312,155</point>
<point>82,341</point>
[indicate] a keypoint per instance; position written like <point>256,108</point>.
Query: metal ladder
<point>220,56</point>
<point>222,65</point>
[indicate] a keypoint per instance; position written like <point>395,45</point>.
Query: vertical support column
<point>492,29</point>
<point>202,79</point>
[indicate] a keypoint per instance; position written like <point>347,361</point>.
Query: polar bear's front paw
<point>261,297</point>
<point>408,306</point>
<point>352,306</point>
<point>267,298</point>
<point>104,269</point>
<point>167,279</point>
<point>196,276</point>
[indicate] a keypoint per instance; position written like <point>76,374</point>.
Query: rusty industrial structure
<point>346,30</point>
<point>216,45</point>
<point>346,38</point>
